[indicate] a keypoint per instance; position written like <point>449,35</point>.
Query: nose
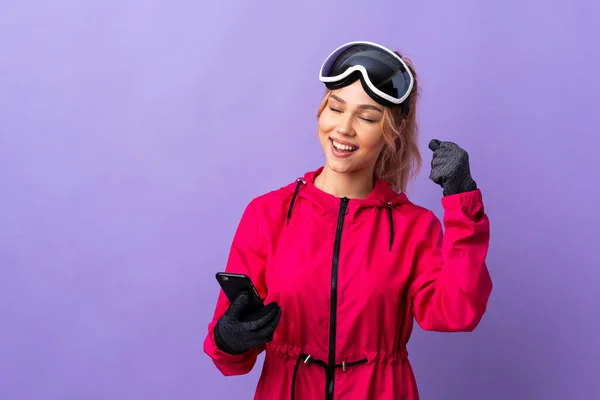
<point>344,127</point>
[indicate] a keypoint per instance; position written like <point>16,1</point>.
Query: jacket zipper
<point>333,306</point>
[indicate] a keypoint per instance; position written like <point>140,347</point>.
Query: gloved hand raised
<point>236,333</point>
<point>450,168</point>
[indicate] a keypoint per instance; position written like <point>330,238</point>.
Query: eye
<point>367,120</point>
<point>334,109</point>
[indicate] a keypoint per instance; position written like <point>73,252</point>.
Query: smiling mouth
<point>342,147</point>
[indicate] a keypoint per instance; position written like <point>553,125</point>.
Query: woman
<point>344,262</point>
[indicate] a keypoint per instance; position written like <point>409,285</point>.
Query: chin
<point>342,166</point>
<point>357,163</point>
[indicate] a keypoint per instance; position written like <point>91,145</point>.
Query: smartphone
<point>232,284</point>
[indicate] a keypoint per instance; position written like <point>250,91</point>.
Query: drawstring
<point>391,224</point>
<point>289,214</point>
<point>302,182</point>
<point>307,358</point>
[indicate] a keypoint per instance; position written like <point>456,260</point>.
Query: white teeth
<point>340,146</point>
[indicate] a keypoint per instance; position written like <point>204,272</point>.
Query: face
<point>350,130</point>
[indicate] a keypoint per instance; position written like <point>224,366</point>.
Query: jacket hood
<point>382,194</point>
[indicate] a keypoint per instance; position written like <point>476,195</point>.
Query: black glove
<point>450,168</point>
<point>236,334</point>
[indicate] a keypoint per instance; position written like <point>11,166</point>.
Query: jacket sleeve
<point>245,257</point>
<point>451,284</point>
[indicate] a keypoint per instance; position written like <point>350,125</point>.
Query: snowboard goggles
<point>383,74</point>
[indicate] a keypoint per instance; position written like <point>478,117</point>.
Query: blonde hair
<point>400,160</point>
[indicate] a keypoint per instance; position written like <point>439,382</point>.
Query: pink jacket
<point>350,276</point>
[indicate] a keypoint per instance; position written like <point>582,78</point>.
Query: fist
<point>450,168</point>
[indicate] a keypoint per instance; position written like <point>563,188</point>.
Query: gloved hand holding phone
<point>238,331</point>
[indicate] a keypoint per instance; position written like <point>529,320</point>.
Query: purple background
<point>133,133</point>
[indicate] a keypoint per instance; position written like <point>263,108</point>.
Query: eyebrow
<point>361,106</point>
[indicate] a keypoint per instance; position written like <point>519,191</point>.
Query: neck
<point>354,185</point>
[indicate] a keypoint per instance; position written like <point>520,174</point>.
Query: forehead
<point>354,94</point>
